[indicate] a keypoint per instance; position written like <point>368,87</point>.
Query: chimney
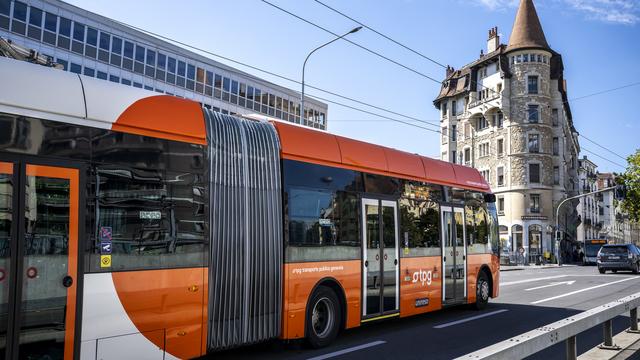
<point>449,70</point>
<point>494,40</point>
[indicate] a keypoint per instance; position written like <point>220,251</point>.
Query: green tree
<point>631,179</point>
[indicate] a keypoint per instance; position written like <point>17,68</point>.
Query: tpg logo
<point>424,277</point>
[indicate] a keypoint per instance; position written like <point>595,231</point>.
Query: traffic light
<point>621,192</point>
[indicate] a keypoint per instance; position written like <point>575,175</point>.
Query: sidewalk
<point>530,267</point>
<point>628,343</point>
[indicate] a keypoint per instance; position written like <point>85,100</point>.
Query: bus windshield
<point>591,250</point>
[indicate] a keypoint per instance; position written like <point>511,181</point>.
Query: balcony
<point>479,106</point>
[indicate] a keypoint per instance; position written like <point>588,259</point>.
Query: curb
<point>536,267</point>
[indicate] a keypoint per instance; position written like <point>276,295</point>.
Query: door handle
<point>366,263</point>
<point>395,262</point>
<point>193,288</point>
<point>67,281</point>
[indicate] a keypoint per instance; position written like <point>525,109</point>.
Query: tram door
<point>454,255</point>
<point>38,260</point>
<point>379,258</point>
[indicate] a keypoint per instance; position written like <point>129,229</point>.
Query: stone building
<point>589,207</point>
<point>608,209</point>
<point>507,115</point>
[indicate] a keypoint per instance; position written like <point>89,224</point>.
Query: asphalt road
<point>528,299</point>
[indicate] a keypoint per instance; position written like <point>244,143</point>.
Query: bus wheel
<point>323,317</point>
<point>482,291</point>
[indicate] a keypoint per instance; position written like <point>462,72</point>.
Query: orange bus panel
<point>164,117</point>
<point>298,143</point>
<point>470,177</point>
<point>6,168</point>
<point>362,154</point>
<point>420,285</point>
<point>300,280</point>
<point>306,144</point>
<point>440,172</point>
<point>168,299</point>
<point>404,163</point>
<point>474,264</point>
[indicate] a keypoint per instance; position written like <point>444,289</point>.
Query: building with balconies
<point>589,206</point>
<point>507,115</point>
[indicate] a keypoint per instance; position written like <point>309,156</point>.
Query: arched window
<point>516,234</point>
<point>535,239</point>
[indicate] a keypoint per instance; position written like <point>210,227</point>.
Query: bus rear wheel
<point>323,317</point>
<point>482,291</point>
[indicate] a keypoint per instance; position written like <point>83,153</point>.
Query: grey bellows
<point>245,267</point>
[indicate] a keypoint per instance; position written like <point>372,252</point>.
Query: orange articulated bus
<point>136,225</point>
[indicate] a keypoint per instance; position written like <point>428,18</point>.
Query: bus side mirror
<point>489,198</point>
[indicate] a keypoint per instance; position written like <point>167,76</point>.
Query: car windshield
<point>614,250</point>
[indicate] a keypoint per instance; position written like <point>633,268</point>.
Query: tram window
<point>321,177</point>
<point>381,184</point>
<point>477,225</point>
<point>494,235</point>
<point>322,225</point>
<point>156,218</point>
<point>420,228</point>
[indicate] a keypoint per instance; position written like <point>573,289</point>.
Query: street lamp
<point>305,64</point>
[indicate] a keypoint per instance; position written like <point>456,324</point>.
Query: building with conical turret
<point>507,115</point>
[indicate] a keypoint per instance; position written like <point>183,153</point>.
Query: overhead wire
<point>426,122</point>
<point>424,56</point>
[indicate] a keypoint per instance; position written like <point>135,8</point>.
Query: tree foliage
<point>631,179</point>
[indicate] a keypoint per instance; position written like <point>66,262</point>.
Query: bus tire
<point>482,291</point>
<point>323,317</point>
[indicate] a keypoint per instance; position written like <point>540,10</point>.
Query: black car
<point>619,257</point>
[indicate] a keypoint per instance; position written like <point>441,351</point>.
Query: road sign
<point>106,233</point>
<point>105,248</point>
<point>105,261</point>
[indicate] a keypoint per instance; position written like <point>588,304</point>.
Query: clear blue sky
<point>599,41</point>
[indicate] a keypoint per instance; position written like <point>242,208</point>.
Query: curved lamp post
<point>305,64</point>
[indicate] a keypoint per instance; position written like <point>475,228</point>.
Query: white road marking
<point>532,280</point>
<point>552,284</point>
<point>469,319</point>
<point>347,350</point>
<point>583,290</point>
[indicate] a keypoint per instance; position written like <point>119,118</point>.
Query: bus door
<point>454,255</point>
<point>379,258</point>
<point>38,260</point>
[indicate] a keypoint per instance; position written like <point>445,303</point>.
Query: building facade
<point>93,45</point>
<point>589,207</point>
<point>507,115</point>
<point>607,209</point>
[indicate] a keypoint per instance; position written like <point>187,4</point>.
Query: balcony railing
<point>493,95</point>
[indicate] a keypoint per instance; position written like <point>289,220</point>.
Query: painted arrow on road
<point>552,284</point>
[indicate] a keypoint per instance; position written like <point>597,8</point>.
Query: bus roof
<point>306,144</point>
<point>47,93</point>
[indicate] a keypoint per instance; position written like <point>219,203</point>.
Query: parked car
<point>619,257</point>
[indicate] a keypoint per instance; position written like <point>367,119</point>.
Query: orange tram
<point>139,225</point>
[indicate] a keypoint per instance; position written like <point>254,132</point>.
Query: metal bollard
<point>608,344</point>
<point>608,333</point>
<point>634,319</point>
<point>572,348</point>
